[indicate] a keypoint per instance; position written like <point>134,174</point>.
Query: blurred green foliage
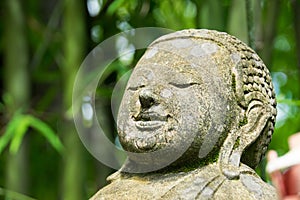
<point>42,27</point>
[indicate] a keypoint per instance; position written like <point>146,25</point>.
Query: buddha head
<point>195,97</point>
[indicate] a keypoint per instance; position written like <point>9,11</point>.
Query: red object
<point>288,182</point>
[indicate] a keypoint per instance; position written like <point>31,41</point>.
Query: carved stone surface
<point>197,116</point>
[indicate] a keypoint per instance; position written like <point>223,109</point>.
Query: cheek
<point>169,101</point>
<point>166,93</point>
<point>127,108</point>
<point>134,104</point>
<point>187,105</point>
<point>130,102</point>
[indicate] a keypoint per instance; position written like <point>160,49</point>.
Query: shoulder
<point>202,183</point>
<point>124,186</point>
<point>248,186</point>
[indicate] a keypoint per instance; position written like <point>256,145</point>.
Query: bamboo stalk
<point>237,20</point>
<point>296,8</point>
<point>16,84</point>
<point>269,32</point>
<point>74,48</point>
<point>250,24</point>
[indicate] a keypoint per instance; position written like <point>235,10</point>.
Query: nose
<point>147,98</point>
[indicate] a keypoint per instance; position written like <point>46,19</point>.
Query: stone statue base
<point>203,183</point>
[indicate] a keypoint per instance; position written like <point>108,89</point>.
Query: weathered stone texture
<point>196,118</point>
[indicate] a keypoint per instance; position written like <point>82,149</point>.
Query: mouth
<point>149,121</point>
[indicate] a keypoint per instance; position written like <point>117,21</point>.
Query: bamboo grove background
<point>43,44</point>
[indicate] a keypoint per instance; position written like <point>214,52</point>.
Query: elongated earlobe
<point>237,142</point>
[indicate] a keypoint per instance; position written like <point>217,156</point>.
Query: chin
<point>148,136</point>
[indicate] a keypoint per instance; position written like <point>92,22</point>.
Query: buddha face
<point>169,105</point>
<point>158,104</point>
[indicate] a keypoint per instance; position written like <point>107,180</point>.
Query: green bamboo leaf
<point>47,132</point>
<point>10,130</point>
<point>9,194</point>
<point>114,6</point>
<point>20,131</point>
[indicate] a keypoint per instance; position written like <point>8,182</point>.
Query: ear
<point>257,117</point>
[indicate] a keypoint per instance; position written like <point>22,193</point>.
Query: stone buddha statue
<point>196,119</point>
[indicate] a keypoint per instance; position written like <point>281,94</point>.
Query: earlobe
<point>257,121</point>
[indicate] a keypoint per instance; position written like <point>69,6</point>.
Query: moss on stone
<point>244,121</point>
<point>193,164</point>
<point>233,83</point>
<point>237,143</point>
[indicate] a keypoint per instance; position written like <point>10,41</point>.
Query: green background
<point>43,44</point>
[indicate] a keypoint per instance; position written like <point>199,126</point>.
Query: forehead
<point>157,73</point>
<point>192,49</point>
<point>186,55</point>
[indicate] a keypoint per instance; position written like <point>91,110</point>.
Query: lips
<point>149,121</point>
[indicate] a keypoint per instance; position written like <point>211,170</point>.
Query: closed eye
<point>183,85</point>
<point>134,88</point>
